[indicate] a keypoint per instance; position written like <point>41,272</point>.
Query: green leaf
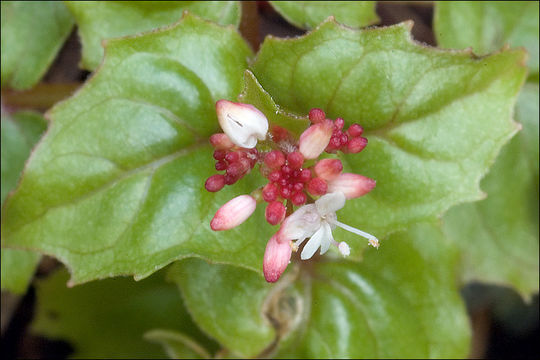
<point>369,310</point>
<point>177,345</point>
<point>117,184</point>
<point>100,20</point>
<point>32,34</point>
<point>254,94</point>
<point>338,309</point>
<point>498,236</point>
<point>108,318</point>
<point>19,134</point>
<point>435,119</point>
<point>18,268</point>
<point>226,302</point>
<point>488,25</point>
<point>308,14</point>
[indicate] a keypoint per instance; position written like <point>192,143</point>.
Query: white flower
<point>243,123</point>
<point>317,221</point>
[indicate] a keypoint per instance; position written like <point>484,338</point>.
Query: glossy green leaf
<point>117,184</point>
<point>18,268</point>
<point>435,119</point>
<point>487,25</point>
<point>177,345</point>
<point>498,236</point>
<point>226,302</point>
<point>32,34</point>
<point>308,14</point>
<point>100,20</point>
<point>19,134</point>
<point>401,301</point>
<point>108,318</point>
<point>253,93</point>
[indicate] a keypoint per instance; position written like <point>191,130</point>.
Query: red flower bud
<point>275,212</point>
<point>317,186</point>
<point>215,183</point>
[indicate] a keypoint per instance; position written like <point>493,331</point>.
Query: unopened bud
<point>274,159</point>
<point>316,115</point>
<point>243,123</point>
<point>221,141</point>
<point>328,169</point>
<point>355,145</point>
<point>339,123</point>
<point>315,139</point>
<point>355,130</point>
<point>276,258</point>
<point>215,183</point>
<point>317,186</point>
<point>352,185</point>
<point>275,212</point>
<point>233,213</point>
<point>295,160</point>
<point>270,192</point>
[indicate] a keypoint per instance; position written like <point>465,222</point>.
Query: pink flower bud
<point>274,159</point>
<point>243,123</point>
<point>352,185</point>
<point>356,145</point>
<point>328,169</point>
<point>315,139</point>
<point>299,198</point>
<point>275,212</point>
<point>339,123</point>
<point>270,192</point>
<point>221,141</point>
<point>305,175</point>
<point>355,130</point>
<point>233,213</point>
<point>316,115</point>
<point>295,160</point>
<point>215,183</point>
<point>276,258</point>
<point>317,186</point>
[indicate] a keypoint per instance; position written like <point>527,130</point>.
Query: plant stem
<point>41,97</point>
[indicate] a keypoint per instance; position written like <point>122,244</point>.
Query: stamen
<point>373,241</point>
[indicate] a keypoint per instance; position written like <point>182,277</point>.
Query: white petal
<point>330,203</point>
<point>301,224</point>
<point>313,244</point>
<point>243,123</point>
<point>327,239</point>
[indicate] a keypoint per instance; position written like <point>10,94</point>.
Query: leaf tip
<point>407,24</point>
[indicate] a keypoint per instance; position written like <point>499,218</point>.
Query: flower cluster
<point>295,178</point>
